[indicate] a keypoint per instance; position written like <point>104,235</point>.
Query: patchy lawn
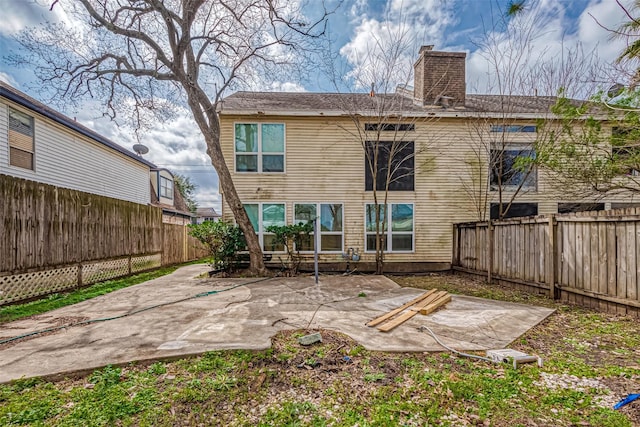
<point>591,361</point>
<point>62,299</point>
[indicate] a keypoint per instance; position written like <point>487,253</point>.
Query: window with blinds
<point>21,141</point>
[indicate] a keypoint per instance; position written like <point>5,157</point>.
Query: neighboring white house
<point>40,144</point>
<point>206,214</point>
<point>165,194</point>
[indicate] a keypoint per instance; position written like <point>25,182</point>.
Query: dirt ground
<point>591,360</point>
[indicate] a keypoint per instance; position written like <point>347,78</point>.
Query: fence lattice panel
<point>19,287</point>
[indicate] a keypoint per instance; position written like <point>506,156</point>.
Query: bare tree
<point>503,158</point>
<point>151,55</point>
<point>186,188</point>
<point>597,149</point>
<point>386,123</point>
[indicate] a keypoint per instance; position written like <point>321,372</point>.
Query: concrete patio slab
<point>245,317</point>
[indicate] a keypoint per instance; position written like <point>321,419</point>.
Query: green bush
<point>291,237</point>
<point>223,239</point>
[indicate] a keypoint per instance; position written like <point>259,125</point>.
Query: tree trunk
<point>256,262</point>
<point>380,234</point>
<point>210,127</point>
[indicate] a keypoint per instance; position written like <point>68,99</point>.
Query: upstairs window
<point>259,147</point>
<point>506,172</point>
<point>389,127</point>
<point>625,160</point>
<point>399,172</point>
<point>21,139</point>
<point>514,128</point>
<point>625,151</point>
<point>166,187</point>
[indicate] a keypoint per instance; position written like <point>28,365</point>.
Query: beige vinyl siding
<point>325,165</point>
<point>67,159</point>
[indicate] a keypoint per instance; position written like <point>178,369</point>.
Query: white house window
<point>166,187</point>
<point>506,172</point>
<point>514,128</point>
<point>396,225</point>
<point>330,228</point>
<point>21,140</point>
<point>259,147</point>
<point>389,127</point>
<point>263,215</point>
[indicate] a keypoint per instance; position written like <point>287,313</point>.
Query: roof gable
<point>12,94</point>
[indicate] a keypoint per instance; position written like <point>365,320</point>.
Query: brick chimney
<point>439,78</point>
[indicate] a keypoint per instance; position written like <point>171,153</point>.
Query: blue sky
<point>448,24</point>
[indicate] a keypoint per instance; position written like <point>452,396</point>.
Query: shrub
<point>291,237</point>
<point>223,239</point>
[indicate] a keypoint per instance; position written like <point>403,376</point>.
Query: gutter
<point>406,114</point>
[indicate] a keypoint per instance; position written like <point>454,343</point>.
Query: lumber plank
<point>436,304</point>
<point>397,321</point>
<point>410,313</point>
<point>425,302</point>
<point>392,313</point>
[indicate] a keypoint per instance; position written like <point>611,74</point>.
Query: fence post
<point>185,245</point>
<point>489,250</point>
<point>550,276</point>
<point>79,285</point>
<point>455,246</point>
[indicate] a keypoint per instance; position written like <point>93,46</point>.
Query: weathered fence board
<point>44,226</point>
<point>53,239</point>
<point>591,258</point>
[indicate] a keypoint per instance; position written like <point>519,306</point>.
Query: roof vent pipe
<point>444,101</point>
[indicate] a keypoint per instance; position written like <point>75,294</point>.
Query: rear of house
<point>297,156</point>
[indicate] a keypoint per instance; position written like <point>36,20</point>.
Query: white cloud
<point>19,14</point>
<point>8,79</point>
<point>403,27</point>
<point>595,24</point>
<point>286,87</point>
<point>547,51</point>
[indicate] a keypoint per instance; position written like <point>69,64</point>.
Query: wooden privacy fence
<point>178,246</point>
<point>54,239</point>
<point>588,258</point>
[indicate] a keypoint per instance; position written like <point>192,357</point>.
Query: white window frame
<point>165,187</point>
<point>506,128</point>
<point>389,233</point>
<point>33,140</point>
<point>259,153</point>
<point>260,232</point>
<point>317,239</point>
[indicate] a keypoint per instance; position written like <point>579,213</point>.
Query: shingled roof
<point>306,103</point>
